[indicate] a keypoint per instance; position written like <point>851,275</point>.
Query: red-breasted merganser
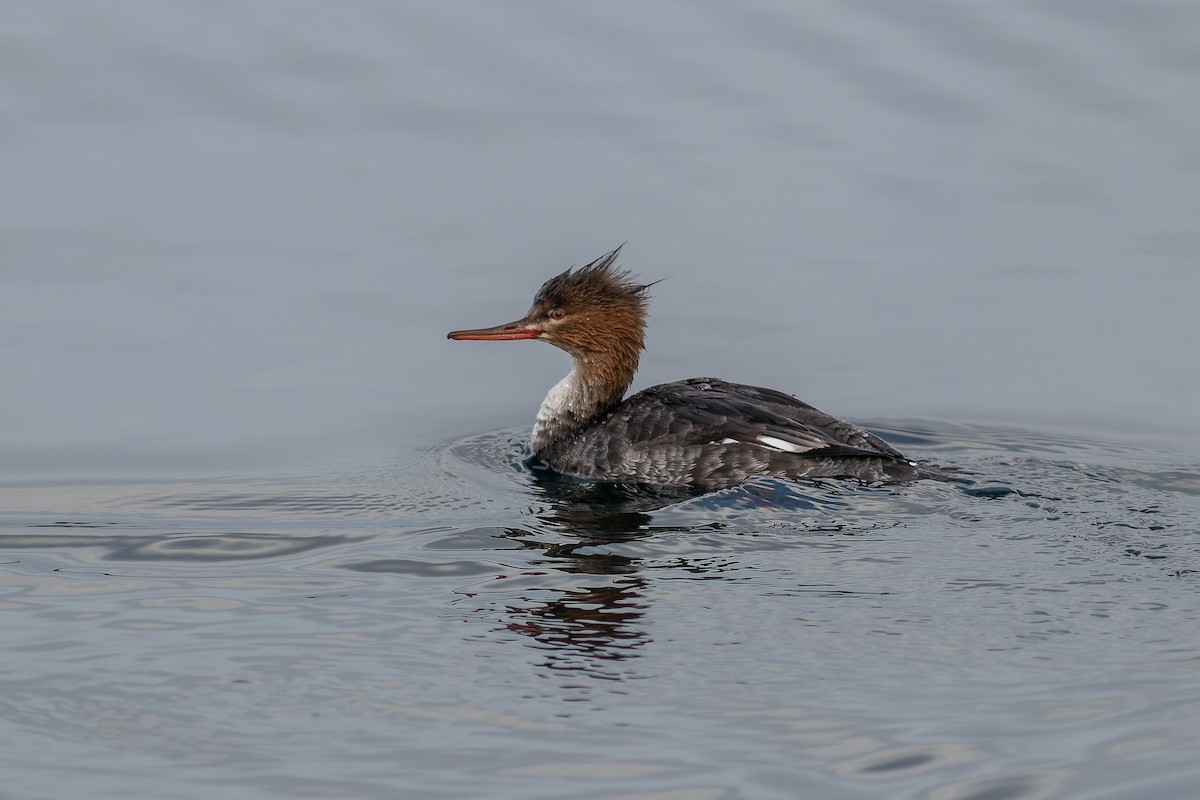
<point>702,433</point>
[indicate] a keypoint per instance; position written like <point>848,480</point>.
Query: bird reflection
<point>595,626</point>
<point>587,630</point>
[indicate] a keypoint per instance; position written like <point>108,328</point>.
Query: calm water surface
<point>265,533</point>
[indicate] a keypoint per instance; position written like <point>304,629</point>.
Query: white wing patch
<point>781,445</point>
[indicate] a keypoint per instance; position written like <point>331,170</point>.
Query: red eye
<point>557,313</point>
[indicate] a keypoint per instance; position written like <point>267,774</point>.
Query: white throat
<point>576,401</point>
<point>565,403</point>
<point>568,405</point>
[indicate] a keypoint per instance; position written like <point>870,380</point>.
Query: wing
<point>708,411</point>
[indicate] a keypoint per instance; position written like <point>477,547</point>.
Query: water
<point>264,533</point>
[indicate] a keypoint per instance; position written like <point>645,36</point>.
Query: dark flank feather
<point>711,434</point>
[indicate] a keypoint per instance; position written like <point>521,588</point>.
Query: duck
<point>702,434</point>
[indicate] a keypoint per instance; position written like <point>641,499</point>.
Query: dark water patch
<point>989,492</point>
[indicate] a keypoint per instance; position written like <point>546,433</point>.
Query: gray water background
<point>264,532</point>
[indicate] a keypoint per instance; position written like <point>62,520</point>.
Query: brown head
<point>592,311</point>
<point>597,313</point>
